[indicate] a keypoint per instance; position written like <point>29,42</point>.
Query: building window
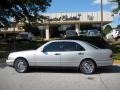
<point>90,17</point>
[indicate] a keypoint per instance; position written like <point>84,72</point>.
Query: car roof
<point>78,41</point>
<point>84,44</point>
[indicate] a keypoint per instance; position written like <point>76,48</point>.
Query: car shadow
<point>52,70</point>
<point>111,69</point>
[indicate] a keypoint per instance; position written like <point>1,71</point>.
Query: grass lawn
<point>6,48</point>
<point>115,46</point>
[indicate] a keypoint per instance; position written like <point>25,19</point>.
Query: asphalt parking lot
<point>59,79</point>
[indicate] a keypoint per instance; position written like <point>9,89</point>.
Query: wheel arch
<point>22,58</point>
<point>89,59</point>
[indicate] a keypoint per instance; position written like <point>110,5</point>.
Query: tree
<point>116,10</point>
<point>107,29</point>
<point>22,10</point>
<point>118,26</point>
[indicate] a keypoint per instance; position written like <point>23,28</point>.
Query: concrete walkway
<point>59,79</point>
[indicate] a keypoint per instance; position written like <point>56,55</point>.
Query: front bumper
<point>10,62</point>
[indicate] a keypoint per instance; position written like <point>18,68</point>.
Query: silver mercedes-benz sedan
<point>62,53</point>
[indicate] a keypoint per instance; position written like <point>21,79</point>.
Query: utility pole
<point>101,15</point>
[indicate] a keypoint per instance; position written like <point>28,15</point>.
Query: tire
<point>87,66</point>
<point>21,65</point>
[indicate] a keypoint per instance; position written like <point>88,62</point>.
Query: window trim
<point>61,46</point>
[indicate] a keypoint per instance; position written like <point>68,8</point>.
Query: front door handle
<point>57,53</point>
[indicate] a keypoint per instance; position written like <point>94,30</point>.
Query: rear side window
<point>24,35</point>
<point>71,46</point>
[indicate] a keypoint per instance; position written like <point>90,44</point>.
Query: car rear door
<point>71,54</point>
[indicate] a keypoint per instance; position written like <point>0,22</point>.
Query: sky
<point>82,6</point>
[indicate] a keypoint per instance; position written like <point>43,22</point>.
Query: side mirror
<point>44,50</point>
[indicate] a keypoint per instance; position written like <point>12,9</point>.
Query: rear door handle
<point>80,53</point>
<point>57,53</point>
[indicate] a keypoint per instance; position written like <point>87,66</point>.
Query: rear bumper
<point>104,62</point>
<point>10,62</point>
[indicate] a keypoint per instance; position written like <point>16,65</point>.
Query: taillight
<point>111,55</point>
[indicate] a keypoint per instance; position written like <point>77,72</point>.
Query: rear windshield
<point>92,45</point>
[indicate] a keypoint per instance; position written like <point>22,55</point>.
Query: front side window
<point>52,47</point>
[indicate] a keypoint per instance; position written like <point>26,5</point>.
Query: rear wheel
<point>21,65</point>
<point>87,66</point>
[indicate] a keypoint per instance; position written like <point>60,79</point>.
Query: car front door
<point>50,56</point>
<point>71,54</point>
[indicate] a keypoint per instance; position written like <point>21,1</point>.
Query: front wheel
<point>87,66</point>
<point>21,65</point>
